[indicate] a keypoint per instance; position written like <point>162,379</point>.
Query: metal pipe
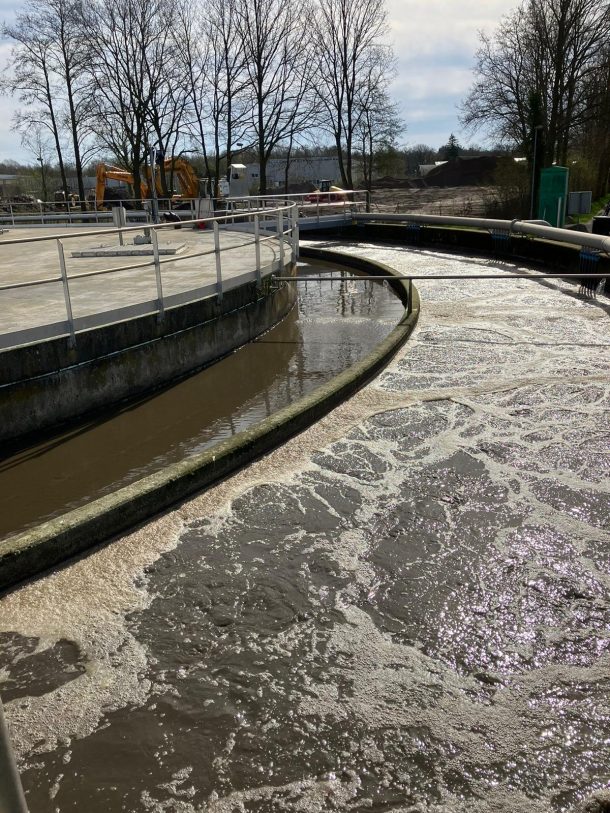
<point>97,232</point>
<point>536,129</point>
<point>66,287</point>
<point>355,277</point>
<point>155,245</point>
<point>257,248</point>
<point>218,261</point>
<point>280,237</point>
<point>525,227</point>
<point>12,799</point>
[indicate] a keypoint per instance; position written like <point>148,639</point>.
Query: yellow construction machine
<point>178,167</point>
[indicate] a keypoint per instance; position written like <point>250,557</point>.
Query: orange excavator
<point>178,167</point>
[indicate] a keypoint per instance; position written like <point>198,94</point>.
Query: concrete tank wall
<point>49,383</point>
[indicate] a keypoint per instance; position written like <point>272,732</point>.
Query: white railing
<point>46,213</point>
<point>276,227</point>
<point>314,208</point>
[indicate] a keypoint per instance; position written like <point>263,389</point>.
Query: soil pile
<point>464,172</point>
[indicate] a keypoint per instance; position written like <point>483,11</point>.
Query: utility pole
<point>537,129</point>
<point>153,184</point>
<point>40,160</point>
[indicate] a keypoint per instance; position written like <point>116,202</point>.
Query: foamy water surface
<point>405,608</point>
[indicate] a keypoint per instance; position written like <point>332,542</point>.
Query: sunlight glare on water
<point>406,607</point>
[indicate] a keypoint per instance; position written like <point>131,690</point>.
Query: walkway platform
<point>187,274</point>
<point>82,332</point>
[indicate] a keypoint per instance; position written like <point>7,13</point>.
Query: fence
<point>45,213</point>
<point>312,207</point>
<point>274,233</point>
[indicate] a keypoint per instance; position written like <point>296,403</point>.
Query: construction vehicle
<point>325,192</point>
<point>178,167</point>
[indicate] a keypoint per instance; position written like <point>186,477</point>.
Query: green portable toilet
<point>553,195</point>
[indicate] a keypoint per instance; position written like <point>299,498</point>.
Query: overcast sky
<point>434,40</point>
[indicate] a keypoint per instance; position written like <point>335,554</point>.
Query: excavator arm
<point>106,172</point>
<point>183,171</point>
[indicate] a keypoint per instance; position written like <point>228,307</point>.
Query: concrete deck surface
<point>44,304</point>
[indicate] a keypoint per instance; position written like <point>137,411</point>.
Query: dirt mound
<point>464,172</point>
<point>388,182</point>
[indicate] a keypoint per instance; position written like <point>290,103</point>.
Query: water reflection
<point>334,325</point>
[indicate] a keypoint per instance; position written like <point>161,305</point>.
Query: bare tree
<point>533,72</point>
<point>33,81</point>
<point>272,35</point>
<point>347,43</point>
<point>36,141</point>
<point>379,123</point>
<point>60,20</point>
<point>131,47</point>
<point>48,66</point>
<point>193,54</point>
<point>593,139</point>
<point>213,58</point>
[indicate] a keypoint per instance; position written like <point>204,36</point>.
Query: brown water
<point>334,325</point>
<point>404,608</point>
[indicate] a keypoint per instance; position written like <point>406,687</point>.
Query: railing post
<point>10,208</point>
<point>11,792</point>
<point>64,279</point>
<point>280,237</point>
<point>218,262</point>
<point>257,247</point>
<point>410,295</point>
<point>368,201</point>
<point>295,233</point>
<point>155,245</point>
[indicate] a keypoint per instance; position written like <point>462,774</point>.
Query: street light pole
<point>40,160</point>
<point>533,191</point>
<point>153,184</point>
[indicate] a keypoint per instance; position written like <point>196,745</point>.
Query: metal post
<point>295,233</point>
<point>153,185</point>
<point>257,247</point>
<point>12,799</point>
<point>538,127</point>
<point>280,236</point>
<point>64,279</point>
<point>368,201</point>
<point>155,245</point>
<point>10,208</point>
<point>410,294</point>
<point>218,263</point>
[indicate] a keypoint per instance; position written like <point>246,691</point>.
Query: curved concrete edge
<point>29,553</point>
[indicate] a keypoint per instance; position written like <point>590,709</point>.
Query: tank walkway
<point>100,293</point>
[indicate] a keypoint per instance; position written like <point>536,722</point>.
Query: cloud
<point>434,41</point>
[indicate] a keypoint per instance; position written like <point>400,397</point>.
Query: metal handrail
<point>12,799</point>
<point>147,226</point>
<point>278,217</point>
<point>527,228</point>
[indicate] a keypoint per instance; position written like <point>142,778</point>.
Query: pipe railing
<point>46,213</point>
<point>527,228</point>
<point>274,226</point>
<point>12,799</point>
<point>313,205</point>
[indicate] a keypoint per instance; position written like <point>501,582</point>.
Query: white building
<point>301,170</point>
